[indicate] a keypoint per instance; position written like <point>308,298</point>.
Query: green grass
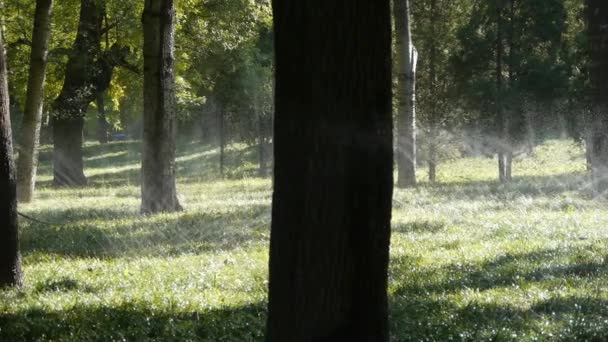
<point>471,259</point>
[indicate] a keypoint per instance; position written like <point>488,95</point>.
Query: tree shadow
<point>135,322</point>
<point>522,186</point>
<point>422,308</point>
<point>102,234</point>
<point>194,164</point>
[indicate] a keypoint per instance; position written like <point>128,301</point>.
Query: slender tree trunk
<point>507,119</point>
<point>333,174</point>
<point>10,258</point>
<point>500,113</point>
<point>159,192</point>
<point>261,142</point>
<point>433,154</point>
<point>433,131</point>
<point>598,70</point>
<point>406,96</point>
<point>102,122</point>
<point>30,130</point>
<point>589,149</point>
<point>222,139</point>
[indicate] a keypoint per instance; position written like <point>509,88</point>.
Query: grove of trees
<point>315,87</point>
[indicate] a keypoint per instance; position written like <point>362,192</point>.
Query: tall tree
<point>10,259</point>
<point>88,74</point>
<point>406,95</point>
<point>333,179</point>
<point>30,130</point>
<point>598,70</point>
<point>433,110</point>
<point>158,155</point>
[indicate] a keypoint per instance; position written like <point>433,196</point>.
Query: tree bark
<point>102,121</point>
<point>406,95</point>
<point>88,74</point>
<point>598,71</point>
<point>333,174</point>
<point>10,258</point>
<point>158,189</point>
<point>30,130</point>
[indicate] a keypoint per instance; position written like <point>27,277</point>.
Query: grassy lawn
<point>471,259</point>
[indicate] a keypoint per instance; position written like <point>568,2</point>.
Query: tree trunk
<point>158,188</point>
<point>102,122</point>
<point>30,131</point>
<point>598,70</point>
<point>333,174</point>
<point>88,74</point>
<point>433,155</point>
<point>406,96</point>
<point>67,156</point>
<point>261,144</point>
<point>501,117</point>
<point>222,138</point>
<point>10,258</point>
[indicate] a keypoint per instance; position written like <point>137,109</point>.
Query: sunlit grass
<point>470,258</point>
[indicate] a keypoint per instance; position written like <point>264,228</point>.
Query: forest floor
<point>471,259</point>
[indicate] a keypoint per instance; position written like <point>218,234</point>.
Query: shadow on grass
<point>195,163</point>
<point>123,233</point>
<point>522,186</point>
<point>135,322</point>
<point>425,308</point>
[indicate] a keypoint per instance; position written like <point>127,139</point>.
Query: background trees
<point>333,171</point>
<point>406,59</point>
<point>32,116</point>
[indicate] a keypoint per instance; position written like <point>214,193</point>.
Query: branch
<point>20,41</point>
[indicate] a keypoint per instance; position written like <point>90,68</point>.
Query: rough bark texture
<point>333,174</point>
<point>10,259</point>
<point>88,73</point>
<point>598,70</point>
<point>406,96</point>
<point>30,136</point>
<point>158,156</point>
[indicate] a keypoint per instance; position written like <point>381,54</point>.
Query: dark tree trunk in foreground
<point>10,259</point>
<point>433,119</point>
<point>598,69</point>
<point>30,136</point>
<point>333,180</point>
<point>158,156</point>
<point>88,74</point>
<point>406,96</point>
<point>102,121</point>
